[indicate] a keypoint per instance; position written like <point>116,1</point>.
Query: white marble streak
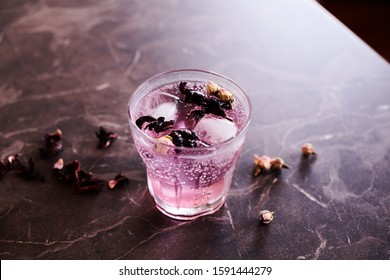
<point>133,63</point>
<point>17,132</point>
<point>7,212</point>
<point>57,94</point>
<point>15,148</point>
<point>230,217</point>
<point>151,237</point>
<point>60,245</point>
<point>309,196</point>
<point>323,242</point>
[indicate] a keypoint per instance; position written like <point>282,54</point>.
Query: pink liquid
<point>192,182</point>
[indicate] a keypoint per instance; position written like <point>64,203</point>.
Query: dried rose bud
<point>225,96</point>
<point>105,138</point>
<point>222,94</point>
<point>119,180</point>
<point>278,163</point>
<point>262,163</point>
<point>308,149</point>
<point>52,145</point>
<point>165,141</point>
<point>266,216</point>
<point>211,87</point>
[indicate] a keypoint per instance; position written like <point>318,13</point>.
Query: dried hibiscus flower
<point>192,96</point>
<point>25,170</point>
<point>184,138</point>
<point>52,144</point>
<point>80,180</point>
<point>119,180</point>
<point>106,138</point>
<point>158,125</point>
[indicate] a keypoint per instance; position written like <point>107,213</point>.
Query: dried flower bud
<point>308,149</point>
<point>59,164</point>
<point>165,141</point>
<point>266,216</point>
<point>211,87</point>
<point>278,163</point>
<point>225,95</point>
<point>120,180</point>
<point>262,163</point>
<point>222,94</point>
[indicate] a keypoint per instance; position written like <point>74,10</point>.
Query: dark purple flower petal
<point>52,144</point>
<point>106,138</point>
<point>79,180</point>
<point>119,181</point>
<point>27,170</point>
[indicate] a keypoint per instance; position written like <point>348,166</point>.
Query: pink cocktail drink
<point>189,127</point>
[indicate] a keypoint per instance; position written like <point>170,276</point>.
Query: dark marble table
<point>74,64</point>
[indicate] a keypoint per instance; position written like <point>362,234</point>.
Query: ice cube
<point>167,110</point>
<point>214,130</point>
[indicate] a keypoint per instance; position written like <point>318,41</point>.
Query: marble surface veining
<point>73,65</point>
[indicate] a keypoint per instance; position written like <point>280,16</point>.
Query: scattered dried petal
<point>80,180</point>
<point>266,216</point>
<point>308,149</point>
<point>106,138</point>
<point>28,170</point>
<point>120,180</point>
<point>85,182</point>
<point>59,164</point>
<point>262,163</point>
<point>278,163</point>
<point>52,144</point>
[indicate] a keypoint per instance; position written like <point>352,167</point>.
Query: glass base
<point>188,214</point>
<point>189,203</point>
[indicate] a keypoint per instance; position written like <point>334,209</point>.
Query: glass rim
<point>209,148</point>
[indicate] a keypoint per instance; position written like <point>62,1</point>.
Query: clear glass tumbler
<point>188,182</point>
